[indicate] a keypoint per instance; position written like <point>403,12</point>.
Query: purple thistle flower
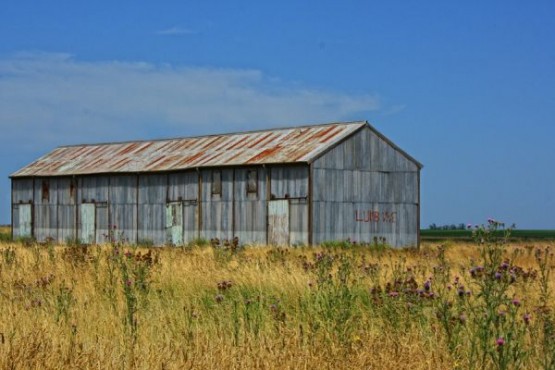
<point>393,294</point>
<point>526,317</point>
<point>128,282</point>
<point>500,341</point>
<point>219,298</point>
<point>497,276</point>
<point>427,285</point>
<point>516,302</point>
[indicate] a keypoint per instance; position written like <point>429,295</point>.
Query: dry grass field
<point>457,306</point>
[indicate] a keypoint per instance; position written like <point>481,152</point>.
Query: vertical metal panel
<point>102,223</point>
<point>66,223</point>
<point>45,209</point>
<point>87,217</point>
<point>289,181</point>
<point>152,194</point>
<point>278,222</point>
<point>190,221</point>
<point>183,186</point>
<point>174,223</point>
<point>22,190</point>
<point>123,206</point>
<point>25,225</point>
<point>152,188</point>
<point>93,188</point>
<point>217,210</point>
<point>298,223</point>
<point>151,223</point>
<point>250,208</point>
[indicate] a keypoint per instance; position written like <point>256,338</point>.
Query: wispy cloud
<point>52,99</point>
<point>176,31</point>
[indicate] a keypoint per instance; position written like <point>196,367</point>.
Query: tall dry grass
<point>262,308</point>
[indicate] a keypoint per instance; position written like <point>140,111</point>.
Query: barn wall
<point>123,205</point>
<point>250,209</point>
<point>291,182</point>
<point>22,193</point>
<point>217,210</point>
<point>365,188</point>
<point>152,208</point>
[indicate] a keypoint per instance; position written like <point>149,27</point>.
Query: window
<point>45,194</point>
<point>252,181</point>
<point>216,183</point>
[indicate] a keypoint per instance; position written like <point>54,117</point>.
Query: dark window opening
<point>45,196</point>
<point>216,183</point>
<point>252,181</point>
<point>71,190</point>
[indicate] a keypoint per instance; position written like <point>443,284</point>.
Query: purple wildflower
<point>393,294</point>
<point>497,276</point>
<point>526,317</point>
<point>219,298</point>
<point>516,302</point>
<point>500,341</point>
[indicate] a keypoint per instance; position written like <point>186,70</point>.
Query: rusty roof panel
<point>286,145</point>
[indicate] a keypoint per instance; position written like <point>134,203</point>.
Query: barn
<point>286,186</point>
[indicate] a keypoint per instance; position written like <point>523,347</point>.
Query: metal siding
<point>87,215</point>
<point>66,223</point>
<point>45,212</point>
<point>278,222</point>
<point>298,223</point>
<point>153,188</point>
<point>289,181</point>
<point>365,174</point>
<point>24,220</point>
<point>217,210</point>
<point>102,223</point>
<point>93,188</point>
<point>183,186</point>
<point>190,221</point>
<point>22,190</point>
<point>250,209</point>
<point>151,208</point>
<point>174,223</point>
<point>123,206</point>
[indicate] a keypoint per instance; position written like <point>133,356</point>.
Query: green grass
<point>467,234</point>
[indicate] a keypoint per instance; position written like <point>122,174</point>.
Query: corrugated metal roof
<point>286,145</point>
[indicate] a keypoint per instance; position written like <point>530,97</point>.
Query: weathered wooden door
<point>88,221</point>
<point>278,222</point>
<point>25,220</point>
<point>190,229</point>
<point>174,223</point>
<point>102,223</point>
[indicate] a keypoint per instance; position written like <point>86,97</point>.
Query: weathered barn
<point>300,185</point>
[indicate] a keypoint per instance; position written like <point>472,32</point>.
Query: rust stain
<point>264,154</point>
<point>287,145</point>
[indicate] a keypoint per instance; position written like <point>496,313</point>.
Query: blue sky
<point>467,88</point>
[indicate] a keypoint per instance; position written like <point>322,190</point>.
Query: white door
<point>174,223</point>
<point>88,218</point>
<point>25,220</point>
<point>278,222</point>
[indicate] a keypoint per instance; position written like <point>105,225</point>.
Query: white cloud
<point>175,31</point>
<point>51,99</point>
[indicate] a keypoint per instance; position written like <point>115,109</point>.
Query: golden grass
<point>64,308</point>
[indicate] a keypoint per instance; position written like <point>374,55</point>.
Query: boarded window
<point>45,194</point>
<point>216,183</point>
<point>252,181</point>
